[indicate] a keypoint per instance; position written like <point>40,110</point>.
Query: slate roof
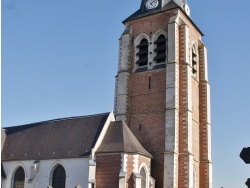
<point>55,139</point>
<point>142,12</point>
<point>119,138</point>
<point>169,6</point>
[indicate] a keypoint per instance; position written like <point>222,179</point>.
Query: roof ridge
<point>119,138</point>
<point>138,146</point>
<point>57,119</point>
<point>123,137</point>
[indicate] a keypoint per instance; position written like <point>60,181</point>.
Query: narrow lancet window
<point>149,82</point>
<point>143,178</point>
<point>19,178</point>
<point>160,49</point>
<point>194,63</point>
<point>59,177</point>
<point>143,53</point>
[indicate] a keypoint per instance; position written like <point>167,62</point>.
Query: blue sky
<point>59,59</point>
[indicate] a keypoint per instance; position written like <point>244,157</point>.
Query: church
<point>159,134</point>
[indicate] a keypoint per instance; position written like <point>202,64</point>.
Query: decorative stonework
<point>122,79</point>
<point>176,108</point>
<point>172,108</point>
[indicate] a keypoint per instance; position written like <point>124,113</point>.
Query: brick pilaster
<point>186,114</point>
<point>205,122</point>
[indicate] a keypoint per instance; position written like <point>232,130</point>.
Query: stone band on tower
<point>163,94</point>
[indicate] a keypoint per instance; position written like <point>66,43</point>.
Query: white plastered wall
<point>76,172</point>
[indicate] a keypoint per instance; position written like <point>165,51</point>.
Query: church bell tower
<point>163,93</point>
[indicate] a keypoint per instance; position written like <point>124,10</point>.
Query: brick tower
<point>163,94</point>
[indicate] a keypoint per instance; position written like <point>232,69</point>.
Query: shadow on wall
<point>77,186</point>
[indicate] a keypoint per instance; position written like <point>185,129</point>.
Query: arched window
<point>19,178</point>
<point>160,49</point>
<point>58,177</point>
<point>194,61</point>
<point>143,53</point>
<point>143,178</point>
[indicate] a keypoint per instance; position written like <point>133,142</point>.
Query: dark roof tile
<point>141,12</point>
<point>119,138</point>
<point>55,139</point>
<point>169,6</point>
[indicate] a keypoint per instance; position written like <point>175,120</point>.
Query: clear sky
<point>59,59</point>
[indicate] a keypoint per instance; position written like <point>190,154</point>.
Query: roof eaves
<point>124,151</point>
<point>81,156</point>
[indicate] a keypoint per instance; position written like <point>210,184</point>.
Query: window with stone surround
<point>194,61</point>
<point>19,177</point>
<point>143,178</point>
<point>142,53</point>
<point>160,49</point>
<point>58,177</point>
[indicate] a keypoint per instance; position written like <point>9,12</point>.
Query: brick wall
<point>147,115</point>
<point>130,166</point>
<point>147,162</point>
<point>183,157</point>
<point>205,156</point>
<point>144,160</point>
<point>107,171</point>
<point>151,24</point>
<point>146,103</point>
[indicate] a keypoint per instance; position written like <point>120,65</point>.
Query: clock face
<point>187,10</point>
<point>151,4</point>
